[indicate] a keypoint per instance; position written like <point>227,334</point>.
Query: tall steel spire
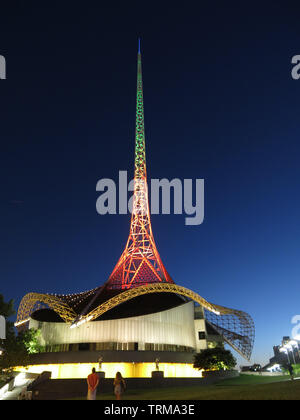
<point>140,262</point>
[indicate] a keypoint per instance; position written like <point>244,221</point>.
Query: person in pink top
<point>119,386</point>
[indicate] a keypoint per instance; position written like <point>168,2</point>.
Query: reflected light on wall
<point>128,370</point>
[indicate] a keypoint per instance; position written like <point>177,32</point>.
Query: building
<point>285,354</point>
<point>139,315</point>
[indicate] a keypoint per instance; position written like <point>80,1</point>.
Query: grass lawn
<point>244,387</point>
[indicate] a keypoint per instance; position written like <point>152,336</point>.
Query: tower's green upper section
<point>140,154</point>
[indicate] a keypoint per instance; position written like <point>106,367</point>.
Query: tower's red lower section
<point>134,272</point>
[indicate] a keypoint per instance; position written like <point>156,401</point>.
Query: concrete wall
<point>201,344</point>
<point>111,357</point>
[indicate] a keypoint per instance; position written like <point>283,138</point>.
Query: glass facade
<point>116,346</point>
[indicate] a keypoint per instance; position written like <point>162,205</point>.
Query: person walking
<point>119,385</point>
<point>93,382</point>
<point>291,371</point>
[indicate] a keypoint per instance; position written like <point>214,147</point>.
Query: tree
<point>14,350</point>
<point>214,359</point>
<point>30,339</point>
<point>7,310</point>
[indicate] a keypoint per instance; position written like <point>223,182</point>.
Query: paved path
<point>13,395</point>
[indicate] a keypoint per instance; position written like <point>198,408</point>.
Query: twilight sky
<point>220,104</point>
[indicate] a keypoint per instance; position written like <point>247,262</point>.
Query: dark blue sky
<point>220,104</point>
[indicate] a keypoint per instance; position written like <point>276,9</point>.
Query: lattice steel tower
<point>140,263</point>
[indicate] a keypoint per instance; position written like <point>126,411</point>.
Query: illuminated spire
<point>140,262</point>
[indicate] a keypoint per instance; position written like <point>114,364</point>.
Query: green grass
<point>296,369</point>
<point>244,387</point>
<point>244,379</point>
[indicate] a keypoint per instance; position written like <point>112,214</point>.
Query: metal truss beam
<point>33,301</point>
